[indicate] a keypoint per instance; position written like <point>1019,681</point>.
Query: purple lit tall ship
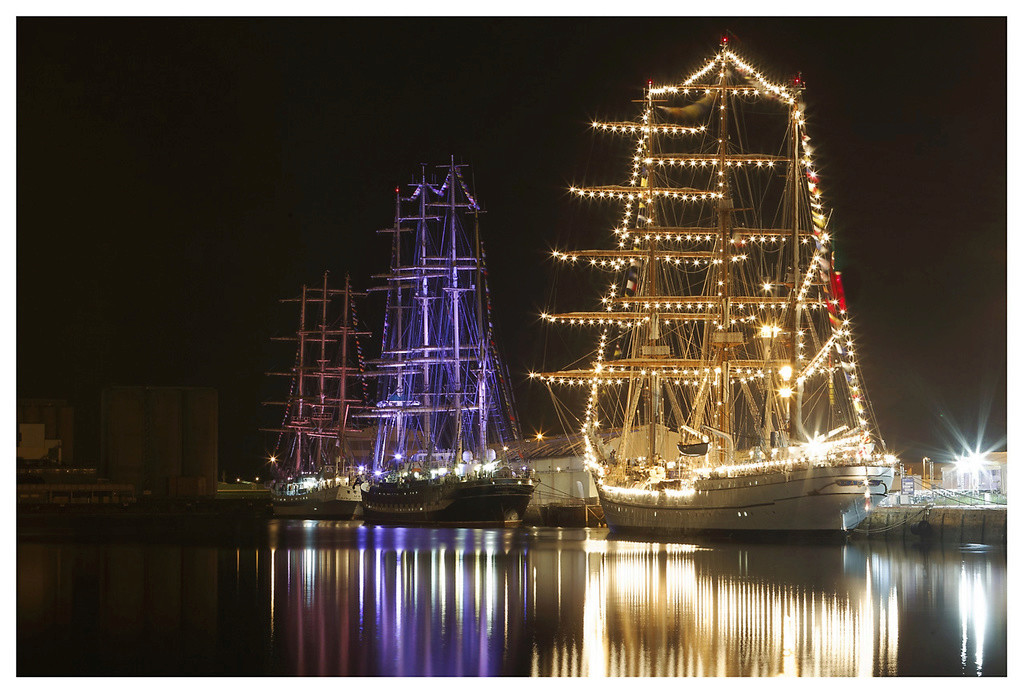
<point>446,450</point>
<point>724,389</point>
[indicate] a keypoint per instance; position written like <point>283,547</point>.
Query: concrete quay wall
<point>941,524</point>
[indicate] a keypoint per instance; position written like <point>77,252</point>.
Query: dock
<point>938,524</point>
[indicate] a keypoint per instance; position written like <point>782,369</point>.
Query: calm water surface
<point>337,598</point>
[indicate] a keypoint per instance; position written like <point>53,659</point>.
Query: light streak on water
<point>472,604</point>
<point>973,618</point>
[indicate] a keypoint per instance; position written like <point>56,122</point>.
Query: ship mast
<point>301,410</point>
<point>321,376</point>
<point>396,259</point>
<point>317,420</point>
<point>456,301</point>
<point>481,401</point>
<point>653,332</point>
<point>423,295</point>
<point>343,402</point>
<point>436,384</point>
<point>724,209</point>
<point>795,423</point>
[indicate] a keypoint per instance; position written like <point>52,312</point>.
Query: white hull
<point>816,499</point>
<point>335,501</point>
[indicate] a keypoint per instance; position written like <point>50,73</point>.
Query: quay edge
<point>937,524</point>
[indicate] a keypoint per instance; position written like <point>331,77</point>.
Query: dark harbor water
<point>337,598</point>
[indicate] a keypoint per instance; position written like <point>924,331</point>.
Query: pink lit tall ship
<point>724,389</point>
<point>316,475</point>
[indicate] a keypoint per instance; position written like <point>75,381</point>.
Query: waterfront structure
<point>45,431</point>
<point>562,475</point>
<point>984,472</point>
<point>724,360</point>
<point>75,493</point>
<point>446,419</point>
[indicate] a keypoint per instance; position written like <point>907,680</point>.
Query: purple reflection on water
<point>400,601</point>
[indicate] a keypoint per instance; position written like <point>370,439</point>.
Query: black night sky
<point>176,177</point>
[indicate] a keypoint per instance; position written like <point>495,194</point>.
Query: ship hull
<point>331,503</point>
<point>498,502</point>
<point>825,500</point>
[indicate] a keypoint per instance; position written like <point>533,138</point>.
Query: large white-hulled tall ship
<point>724,391</point>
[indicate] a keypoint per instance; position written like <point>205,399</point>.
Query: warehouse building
<point>162,440</point>
<point>46,430</point>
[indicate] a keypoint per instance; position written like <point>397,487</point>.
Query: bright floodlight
<point>970,463</point>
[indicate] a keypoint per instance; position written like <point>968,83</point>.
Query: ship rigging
<point>725,328</point>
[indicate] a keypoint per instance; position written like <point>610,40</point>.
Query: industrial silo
<point>161,439</point>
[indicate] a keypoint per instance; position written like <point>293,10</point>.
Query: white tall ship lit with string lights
<point>724,390</point>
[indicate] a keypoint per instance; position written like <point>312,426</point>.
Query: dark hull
<point>326,510</point>
<point>486,502</point>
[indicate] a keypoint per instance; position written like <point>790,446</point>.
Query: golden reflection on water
<point>660,610</point>
<point>469,602</point>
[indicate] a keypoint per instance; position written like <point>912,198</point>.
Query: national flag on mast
<point>629,290</point>
<point>631,279</point>
<point>837,298</point>
<point>837,290</point>
<point>833,286</point>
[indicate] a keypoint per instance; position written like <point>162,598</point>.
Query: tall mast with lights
<point>725,337</point>
<point>439,390</point>
<point>314,431</point>
<point>707,334</point>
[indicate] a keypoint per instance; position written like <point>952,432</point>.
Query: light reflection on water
<point>337,598</point>
<point>574,603</point>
